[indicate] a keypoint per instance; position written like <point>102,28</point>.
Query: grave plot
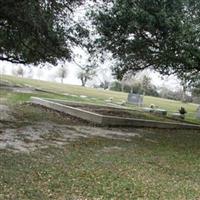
<point>104,118</point>
<point>111,110</point>
<point>115,111</point>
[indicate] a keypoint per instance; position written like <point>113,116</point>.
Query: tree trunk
<point>83,82</point>
<point>183,95</point>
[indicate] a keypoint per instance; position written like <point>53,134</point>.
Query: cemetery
<point>99,100</point>
<point>108,116</point>
<point>55,136</point>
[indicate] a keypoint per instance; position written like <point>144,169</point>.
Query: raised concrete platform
<point>178,116</point>
<point>76,112</point>
<point>110,120</point>
<point>161,112</point>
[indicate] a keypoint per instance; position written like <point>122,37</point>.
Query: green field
<point>99,95</point>
<point>47,155</point>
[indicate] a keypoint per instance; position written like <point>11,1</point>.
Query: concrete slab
<point>177,116</point>
<point>110,120</point>
<point>76,112</point>
<point>160,112</point>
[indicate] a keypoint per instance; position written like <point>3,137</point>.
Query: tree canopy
<point>36,31</point>
<point>162,34</point>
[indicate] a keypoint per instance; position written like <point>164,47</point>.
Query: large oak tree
<point>162,34</point>
<point>36,31</point>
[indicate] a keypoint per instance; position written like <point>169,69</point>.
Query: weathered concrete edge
<point>110,120</point>
<point>76,112</point>
<point>118,121</point>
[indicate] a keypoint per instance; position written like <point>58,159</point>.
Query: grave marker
<point>135,99</point>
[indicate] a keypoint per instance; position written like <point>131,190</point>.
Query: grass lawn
<point>149,164</point>
<point>155,166</point>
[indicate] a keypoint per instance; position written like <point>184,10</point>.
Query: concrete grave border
<point>105,120</point>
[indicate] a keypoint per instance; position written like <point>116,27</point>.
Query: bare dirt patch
<point>21,131</point>
<point>19,134</point>
<point>43,134</point>
<point>111,111</point>
<point>6,113</point>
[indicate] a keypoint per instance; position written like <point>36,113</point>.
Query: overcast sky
<point>50,73</point>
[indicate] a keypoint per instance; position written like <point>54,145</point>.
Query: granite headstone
<point>135,99</point>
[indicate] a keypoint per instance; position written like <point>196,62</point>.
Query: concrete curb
<point>76,112</point>
<point>110,120</point>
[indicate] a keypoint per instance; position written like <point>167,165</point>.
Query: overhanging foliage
<point>164,35</point>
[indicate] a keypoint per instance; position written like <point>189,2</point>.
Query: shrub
<point>182,111</point>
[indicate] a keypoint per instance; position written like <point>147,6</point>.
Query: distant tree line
<point>138,88</point>
<point>146,87</point>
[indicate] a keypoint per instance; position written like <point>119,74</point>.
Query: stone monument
<point>135,99</point>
